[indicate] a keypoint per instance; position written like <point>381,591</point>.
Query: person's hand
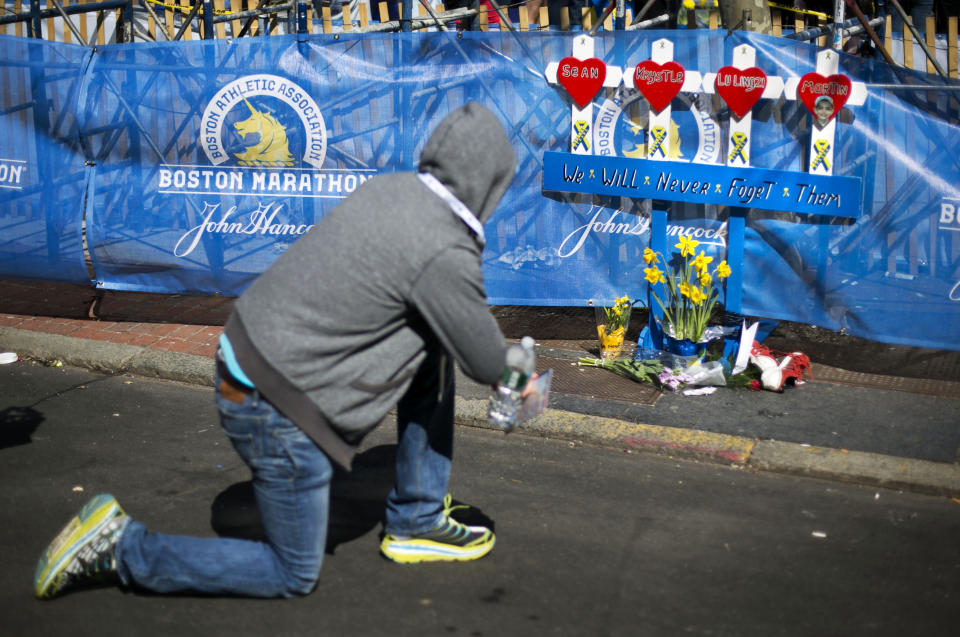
<point>531,385</point>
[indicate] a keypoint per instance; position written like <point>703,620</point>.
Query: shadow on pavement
<point>356,502</point>
<point>17,425</point>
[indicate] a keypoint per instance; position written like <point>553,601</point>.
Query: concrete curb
<point>111,358</point>
<point>869,469</point>
<point>922,476</point>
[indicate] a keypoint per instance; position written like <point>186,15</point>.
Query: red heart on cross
<point>740,88</point>
<point>813,86</point>
<point>581,78</point>
<point>659,83</point>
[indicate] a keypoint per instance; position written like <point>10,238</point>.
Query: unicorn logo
<point>621,129</point>
<point>271,147</point>
<point>263,141</point>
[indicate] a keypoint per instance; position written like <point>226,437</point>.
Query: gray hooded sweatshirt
<point>334,331</point>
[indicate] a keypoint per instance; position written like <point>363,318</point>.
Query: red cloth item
<point>492,16</point>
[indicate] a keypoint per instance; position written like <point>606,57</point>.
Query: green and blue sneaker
<point>84,550</point>
<point>449,541</point>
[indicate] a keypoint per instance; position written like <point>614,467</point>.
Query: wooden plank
<point>184,14</point>
<point>102,31</point>
<point>713,22</point>
<point>952,47</point>
<point>168,19</point>
<point>18,7</point>
<point>384,12</point>
<point>83,22</point>
<point>608,23</point>
<point>236,24</point>
<point>364,20</point>
<point>50,33</point>
<point>908,45</point>
<point>564,20</point>
<point>151,24</point>
<point>524,19</point>
<point>483,19</point>
<point>888,36</point>
<point>221,27</point>
<point>325,17</point>
<point>586,18</point>
<point>67,34</point>
<point>346,16</point>
<point>931,39</point>
<point>544,21</point>
<point>775,18</point>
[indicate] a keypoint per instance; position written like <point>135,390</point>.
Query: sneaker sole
<point>414,551</point>
<point>94,515</point>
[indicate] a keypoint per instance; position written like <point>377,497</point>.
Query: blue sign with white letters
<point>763,188</point>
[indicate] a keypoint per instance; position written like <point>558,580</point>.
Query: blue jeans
<point>291,478</point>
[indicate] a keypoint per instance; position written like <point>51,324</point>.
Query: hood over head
<point>469,153</point>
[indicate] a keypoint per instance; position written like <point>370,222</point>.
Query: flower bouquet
<point>649,371</point>
<point>689,294</point>
<point>612,323</point>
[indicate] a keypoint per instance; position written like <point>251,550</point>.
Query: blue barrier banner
<point>42,173</point>
<point>197,164</point>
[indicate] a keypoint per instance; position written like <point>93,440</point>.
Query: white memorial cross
<point>822,133</point>
<point>658,82</point>
<point>581,117</point>
<point>739,134</point>
<point>737,89</point>
<point>659,143</point>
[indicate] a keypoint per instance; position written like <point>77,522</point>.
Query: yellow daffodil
<point>690,292</point>
<point>701,262</point>
<point>654,275</point>
<point>687,246</point>
<point>612,322</point>
<point>723,270</point>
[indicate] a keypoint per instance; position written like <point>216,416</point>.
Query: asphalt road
<point>590,542</point>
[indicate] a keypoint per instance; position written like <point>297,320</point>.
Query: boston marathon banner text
<point>189,167</point>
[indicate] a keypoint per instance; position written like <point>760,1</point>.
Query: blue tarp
<point>195,164</point>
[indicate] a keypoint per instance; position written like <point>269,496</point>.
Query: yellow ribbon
<point>739,144</point>
<point>581,127</point>
<point>822,146</point>
<point>659,134</point>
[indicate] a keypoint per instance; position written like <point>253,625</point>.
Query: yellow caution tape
<point>816,14</point>
<point>186,9</point>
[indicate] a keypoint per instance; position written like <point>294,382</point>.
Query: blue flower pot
<point>683,347</point>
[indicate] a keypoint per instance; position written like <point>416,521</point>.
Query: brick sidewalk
<point>174,323</point>
<point>189,324</point>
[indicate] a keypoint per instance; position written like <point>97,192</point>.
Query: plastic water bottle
<point>507,396</point>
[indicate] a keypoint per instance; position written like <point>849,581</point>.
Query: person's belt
<point>230,388</point>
